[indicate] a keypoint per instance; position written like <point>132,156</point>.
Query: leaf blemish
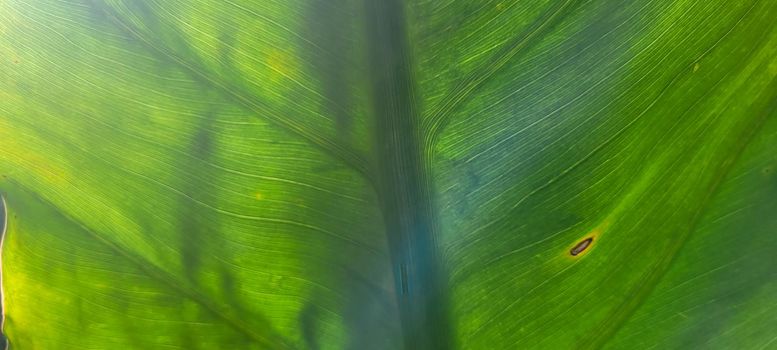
<point>582,246</point>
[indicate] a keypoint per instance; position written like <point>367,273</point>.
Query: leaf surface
<point>388,174</point>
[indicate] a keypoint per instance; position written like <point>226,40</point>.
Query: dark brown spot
<point>582,246</point>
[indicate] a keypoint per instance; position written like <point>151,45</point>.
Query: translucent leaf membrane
<point>365,174</point>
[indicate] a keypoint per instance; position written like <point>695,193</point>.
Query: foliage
<point>373,174</point>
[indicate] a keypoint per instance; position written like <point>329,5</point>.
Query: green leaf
<point>384,174</point>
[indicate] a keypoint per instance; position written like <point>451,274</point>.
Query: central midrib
<point>402,181</point>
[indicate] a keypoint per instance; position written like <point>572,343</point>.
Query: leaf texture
<point>385,174</point>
